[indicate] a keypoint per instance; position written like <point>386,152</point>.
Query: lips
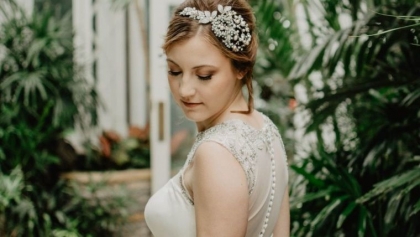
<point>190,105</point>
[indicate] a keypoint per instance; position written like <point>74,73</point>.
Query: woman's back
<point>260,152</point>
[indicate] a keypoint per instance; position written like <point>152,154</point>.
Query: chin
<point>194,117</point>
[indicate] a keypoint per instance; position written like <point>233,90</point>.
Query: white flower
<point>223,10</point>
<point>208,17</point>
<point>230,27</point>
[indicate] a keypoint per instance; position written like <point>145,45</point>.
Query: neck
<point>238,103</point>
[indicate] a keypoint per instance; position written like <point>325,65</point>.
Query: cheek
<point>173,86</point>
<point>225,85</point>
<point>216,93</point>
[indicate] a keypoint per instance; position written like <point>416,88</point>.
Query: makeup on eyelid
<point>203,82</point>
<point>202,76</point>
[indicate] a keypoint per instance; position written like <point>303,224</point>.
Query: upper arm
<point>282,228</point>
<point>220,192</point>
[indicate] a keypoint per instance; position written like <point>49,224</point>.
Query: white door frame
<point>160,15</point>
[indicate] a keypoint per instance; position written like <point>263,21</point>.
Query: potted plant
<point>116,165</point>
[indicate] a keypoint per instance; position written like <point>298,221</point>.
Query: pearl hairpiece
<point>225,24</point>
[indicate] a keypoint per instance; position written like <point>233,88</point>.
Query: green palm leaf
<point>409,180</point>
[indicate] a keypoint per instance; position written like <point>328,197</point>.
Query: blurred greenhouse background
<point>88,129</point>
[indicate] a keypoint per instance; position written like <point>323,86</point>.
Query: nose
<point>186,88</point>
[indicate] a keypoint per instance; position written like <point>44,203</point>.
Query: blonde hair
<point>182,28</point>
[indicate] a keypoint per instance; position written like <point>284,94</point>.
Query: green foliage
<point>359,174</point>
<point>273,93</point>
<point>42,95</point>
<point>37,70</point>
<point>10,188</point>
<point>90,212</point>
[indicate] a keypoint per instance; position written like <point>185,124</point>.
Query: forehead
<point>196,51</point>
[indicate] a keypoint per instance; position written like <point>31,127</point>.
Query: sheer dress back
<point>170,211</point>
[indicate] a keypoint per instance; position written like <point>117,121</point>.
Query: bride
<point>234,181</point>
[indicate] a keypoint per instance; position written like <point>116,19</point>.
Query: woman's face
<point>202,80</point>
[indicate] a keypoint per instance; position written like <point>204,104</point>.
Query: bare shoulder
<point>211,153</point>
<point>215,168</point>
<point>220,191</point>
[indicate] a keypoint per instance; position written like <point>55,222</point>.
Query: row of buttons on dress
<point>273,185</point>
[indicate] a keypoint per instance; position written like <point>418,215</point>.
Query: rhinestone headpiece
<point>226,24</point>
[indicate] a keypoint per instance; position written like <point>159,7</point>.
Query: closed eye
<point>204,78</point>
<point>173,73</point>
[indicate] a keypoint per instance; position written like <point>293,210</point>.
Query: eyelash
<point>203,78</point>
<point>172,73</point>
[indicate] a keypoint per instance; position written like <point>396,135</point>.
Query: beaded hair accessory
<point>225,24</point>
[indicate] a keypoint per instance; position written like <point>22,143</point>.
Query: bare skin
<point>220,192</point>
<point>282,228</point>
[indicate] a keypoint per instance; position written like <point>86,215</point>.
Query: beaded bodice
<point>244,142</point>
<point>262,156</point>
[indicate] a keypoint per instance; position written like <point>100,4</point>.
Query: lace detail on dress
<point>184,190</point>
<point>241,139</point>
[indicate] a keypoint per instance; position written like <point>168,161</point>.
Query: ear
<point>240,74</point>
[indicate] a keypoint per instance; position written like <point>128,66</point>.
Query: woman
<point>234,182</point>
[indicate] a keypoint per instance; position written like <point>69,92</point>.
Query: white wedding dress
<point>170,211</point>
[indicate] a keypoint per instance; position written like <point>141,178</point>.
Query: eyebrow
<point>195,67</point>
